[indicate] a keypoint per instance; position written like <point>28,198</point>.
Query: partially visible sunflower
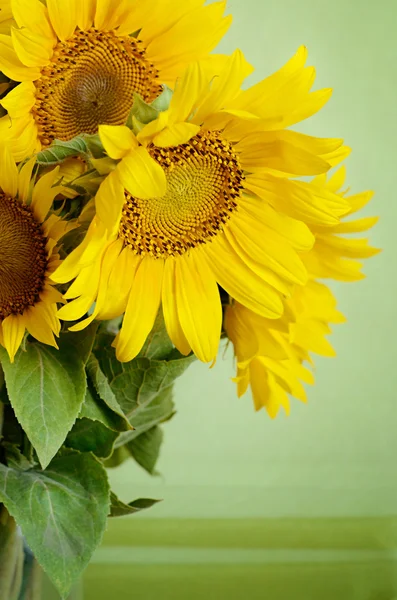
<point>270,354</point>
<point>81,61</point>
<point>28,254</point>
<point>335,256</point>
<point>203,202</point>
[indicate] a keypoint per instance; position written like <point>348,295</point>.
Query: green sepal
<point>142,111</point>
<point>86,146</point>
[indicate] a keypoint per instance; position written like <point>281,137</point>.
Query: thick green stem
<point>11,557</point>
<point>19,573</point>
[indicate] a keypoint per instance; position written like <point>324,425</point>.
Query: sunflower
<point>28,254</point>
<point>271,354</point>
<point>80,62</point>
<point>202,198</point>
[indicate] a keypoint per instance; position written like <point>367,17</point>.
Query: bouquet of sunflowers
<point>152,206</point>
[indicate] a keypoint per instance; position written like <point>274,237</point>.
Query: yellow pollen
<point>90,81</point>
<point>204,183</point>
<point>23,257</point>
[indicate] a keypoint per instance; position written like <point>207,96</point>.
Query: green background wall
<point>303,507</point>
<point>337,454</point>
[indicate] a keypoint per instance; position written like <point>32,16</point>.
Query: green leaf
<point>15,458</point>
<point>60,150</point>
<point>161,408</point>
<point>158,344</point>
<point>80,342</point>
<point>120,455</point>
<point>120,509</point>
<point>94,408</point>
<point>46,389</point>
<point>137,382</point>
<point>104,391</point>
<point>91,436</point>
<point>62,512</point>
<point>145,448</point>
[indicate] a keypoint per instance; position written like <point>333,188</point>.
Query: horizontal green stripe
<point>360,533</point>
<point>120,555</point>
<point>358,581</point>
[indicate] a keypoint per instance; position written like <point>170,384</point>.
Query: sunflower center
<point>204,182</point>
<point>23,257</point>
<point>90,81</point>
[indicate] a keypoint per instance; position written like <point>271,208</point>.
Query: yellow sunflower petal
<point>258,152</point>
<point>38,325</point>
<point>198,304</point>
<point>358,201</point>
<point>108,264</point>
<point>8,172</point>
<point>10,64</point>
<point>43,194</point>
<point>86,279</point>
<point>23,137</point>
<point>33,14</point>
<point>108,15</point>
<point>278,256</point>
<point>142,308</point>
<point>141,175</point>
<point>118,140</point>
<point>86,14</point>
<point>261,393</point>
<point>175,135</point>
<point>20,100</point>
<point>254,98</point>
<point>242,380</point>
<point>312,337</point>
<point>259,267</point>
<point>350,248</point>
<point>24,179</point>
<point>336,180</point>
<point>63,17</point>
<point>154,127</point>
<point>187,93</point>
<point>170,310</point>
<point>119,286</point>
<point>70,267</point>
<point>306,107</point>
<point>77,308</point>
<point>32,48</point>
<point>109,200</point>
<point>191,38</point>
<point>300,200</point>
<point>225,86</point>
<point>356,226</point>
<point>13,332</point>
<point>140,17</point>
<point>340,269</point>
<point>295,232</point>
<point>240,282</point>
